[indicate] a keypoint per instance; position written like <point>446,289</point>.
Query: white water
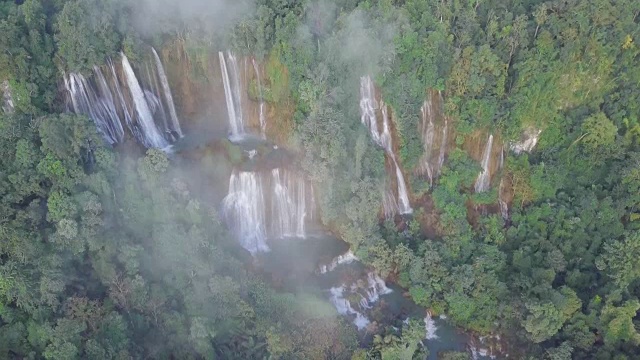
<point>369,293</point>
<point>368,106</point>
<point>7,98</point>
<point>175,123</point>
<point>274,206</point>
<point>443,145</point>
<point>151,136</point>
<point>263,120</point>
<point>345,258</point>
<point>289,205</point>
<point>428,132</point>
<point>232,93</point>
<point>430,327</point>
<point>98,105</point>
<point>484,178</point>
<point>244,208</point>
<point>102,99</point>
<point>528,141</point>
<point>344,308</point>
<point>389,203</point>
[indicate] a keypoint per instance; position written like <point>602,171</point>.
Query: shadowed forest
<point>315,179</point>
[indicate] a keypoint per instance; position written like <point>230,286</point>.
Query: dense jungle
<point>317,179</point>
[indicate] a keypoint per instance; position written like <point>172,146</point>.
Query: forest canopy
<point>119,252</point>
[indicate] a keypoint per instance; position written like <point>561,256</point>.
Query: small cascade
<point>389,203</point>
<point>244,208</point>
<point>7,98</point>
<point>483,182</point>
<point>528,141</point>
<point>428,132</point>
<point>434,129</point>
<point>151,136</point>
<point>232,93</point>
<point>263,120</point>
<point>344,308</point>
<point>502,188</point>
<point>166,90</point>
<point>430,327</point>
<point>368,106</point>
<point>274,206</point>
<point>367,291</point>
<point>443,145</point>
<point>345,258</point>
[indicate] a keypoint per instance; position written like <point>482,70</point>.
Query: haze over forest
<point>280,179</point>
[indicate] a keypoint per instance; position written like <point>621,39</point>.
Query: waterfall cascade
<point>345,258</point>
<point>433,124</point>
<point>232,93</point>
<point>7,98</point>
<point>368,107</point>
<point>483,182</point>
<point>368,291</point>
<point>113,102</point>
<point>151,136</point>
<point>260,206</point>
<point>528,141</point>
<point>263,120</point>
<point>166,90</point>
<point>430,327</point>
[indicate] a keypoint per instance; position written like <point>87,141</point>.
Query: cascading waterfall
<point>139,106</point>
<point>98,105</point>
<point>368,292</point>
<point>151,136</point>
<point>430,327</point>
<point>244,208</point>
<point>443,145</point>
<point>263,120</point>
<point>259,207</point>
<point>504,207</point>
<point>404,207</point>
<point>232,94</point>
<point>166,90</point>
<point>289,205</point>
<point>345,258</point>
<point>368,106</point>
<point>484,178</point>
<point>428,132</point>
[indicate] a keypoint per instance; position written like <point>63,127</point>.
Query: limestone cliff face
<point>197,83</point>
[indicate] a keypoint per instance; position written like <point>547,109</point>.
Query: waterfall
<point>166,90</point>
<point>368,105</point>
<point>428,130</point>
<point>263,120</point>
<point>484,178</point>
<point>345,258</point>
<point>368,292</point>
<point>232,93</point>
<point>443,145</point>
<point>430,327</point>
<point>98,105</point>
<point>244,209</point>
<point>151,136</point>
<point>343,307</point>
<point>389,204</point>
<point>260,207</point>
<point>289,205</point>
<point>504,207</point>
<point>7,98</point>
<point>404,207</point>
